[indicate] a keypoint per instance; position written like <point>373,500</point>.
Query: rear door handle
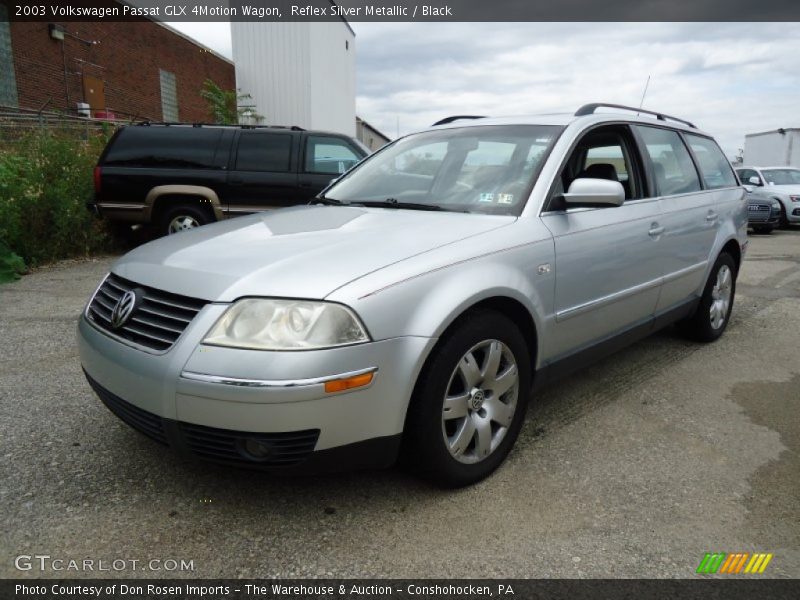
<point>711,216</point>
<point>655,230</point>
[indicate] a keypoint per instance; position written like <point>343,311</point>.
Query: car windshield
<point>782,176</point>
<point>487,169</point>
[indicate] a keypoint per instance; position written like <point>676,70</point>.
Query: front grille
<point>141,420</point>
<point>758,208</point>
<point>158,320</point>
<point>227,446</point>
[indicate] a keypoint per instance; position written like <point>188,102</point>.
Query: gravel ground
<point>634,468</point>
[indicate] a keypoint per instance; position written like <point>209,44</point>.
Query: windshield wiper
<point>394,203</point>
<point>328,201</point>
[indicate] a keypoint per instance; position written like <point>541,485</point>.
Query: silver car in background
<point>414,308</point>
<point>781,184</point>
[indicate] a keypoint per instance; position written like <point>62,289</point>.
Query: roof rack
<point>447,120</point>
<point>169,124</point>
<point>589,109</point>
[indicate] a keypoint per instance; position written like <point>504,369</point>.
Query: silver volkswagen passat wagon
<point>414,308</point>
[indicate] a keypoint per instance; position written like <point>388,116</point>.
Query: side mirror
<point>754,180</point>
<point>750,188</point>
<point>603,192</point>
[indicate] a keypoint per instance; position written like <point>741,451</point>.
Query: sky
<point>728,78</point>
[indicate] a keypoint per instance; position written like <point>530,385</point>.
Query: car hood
<point>794,190</point>
<point>299,252</point>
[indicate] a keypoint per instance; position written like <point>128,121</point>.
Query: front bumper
<point>193,391</point>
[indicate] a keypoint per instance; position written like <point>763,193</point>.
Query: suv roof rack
<point>589,109</point>
<point>169,124</point>
<point>447,120</point>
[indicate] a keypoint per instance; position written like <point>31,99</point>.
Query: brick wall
<point>128,58</point>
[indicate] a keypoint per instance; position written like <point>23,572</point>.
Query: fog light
<point>254,449</point>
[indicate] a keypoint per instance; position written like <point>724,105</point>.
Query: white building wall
<point>298,73</point>
<point>773,149</point>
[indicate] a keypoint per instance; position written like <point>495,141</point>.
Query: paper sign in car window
<point>487,197</point>
<point>505,198</point>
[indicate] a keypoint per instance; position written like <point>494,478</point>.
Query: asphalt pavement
<point>635,467</point>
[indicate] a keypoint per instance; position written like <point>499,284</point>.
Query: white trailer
<point>778,148</point>
<point>298,73</point>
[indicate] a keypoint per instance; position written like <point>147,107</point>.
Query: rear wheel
<point>712,315</point>
<point>470,402</point>
<point>182,218</point>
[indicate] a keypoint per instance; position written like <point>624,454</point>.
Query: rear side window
<point>714,167</point>
<point>329,155</point>
<point>166,147</point>
<point>260,151</point>
<point>673,167</point>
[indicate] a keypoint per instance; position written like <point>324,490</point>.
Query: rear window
<point>259,151</point>
<point>167,147</point>
<point>673,168</point>
<point>714,167</point>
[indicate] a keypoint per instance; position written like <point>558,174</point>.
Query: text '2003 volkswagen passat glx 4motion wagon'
<point>414,307</point>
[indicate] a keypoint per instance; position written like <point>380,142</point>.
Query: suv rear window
<point>179,147</point>
<point>714,167</point>
<point>259,151</point>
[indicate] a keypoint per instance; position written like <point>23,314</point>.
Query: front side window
<point>714,167</point>
<point>745,175</point>
<point>673,169</point>
<point>782,176</point>
<point>473,169</point>
<point>329,155</point>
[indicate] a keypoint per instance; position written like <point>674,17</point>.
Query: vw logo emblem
<point>123,309</point>
<point>476,399</point>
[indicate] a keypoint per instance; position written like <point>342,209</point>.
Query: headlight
<point>267,324</point>
<point>795,198</point>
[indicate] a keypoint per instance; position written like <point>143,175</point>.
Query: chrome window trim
<point>275,383</point>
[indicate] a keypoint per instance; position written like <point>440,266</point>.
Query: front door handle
<point>655,230</point>
<point>711,216</point>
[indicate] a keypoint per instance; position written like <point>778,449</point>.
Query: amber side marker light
<point>340,385</point>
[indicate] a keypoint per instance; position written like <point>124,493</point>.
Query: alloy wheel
<point>721,297</point>
<point>480,401</point>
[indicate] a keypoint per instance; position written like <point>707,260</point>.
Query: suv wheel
<point>470,402</point>
<point>716,303</point>
<point>182,218</point>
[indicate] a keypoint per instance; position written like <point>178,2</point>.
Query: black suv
<point>178,176</point>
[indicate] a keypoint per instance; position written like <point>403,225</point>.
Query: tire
<point>466,441</point>
<point>181,218</point>
<point>711,318</point>
<point>784,220</point>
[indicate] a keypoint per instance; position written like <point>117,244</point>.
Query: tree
<point>226,107</point>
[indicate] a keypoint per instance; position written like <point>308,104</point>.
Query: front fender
<point>426,304</point>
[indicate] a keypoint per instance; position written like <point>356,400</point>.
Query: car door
<point>263,174</point>
<point>607,266</point>
<point>689,214</point>
<point>324,158</point>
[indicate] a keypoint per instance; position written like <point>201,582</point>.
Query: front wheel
<point>712,315</point>
<point>469,404</point>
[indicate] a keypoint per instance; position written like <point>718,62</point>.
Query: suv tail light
<point>98,174</point>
